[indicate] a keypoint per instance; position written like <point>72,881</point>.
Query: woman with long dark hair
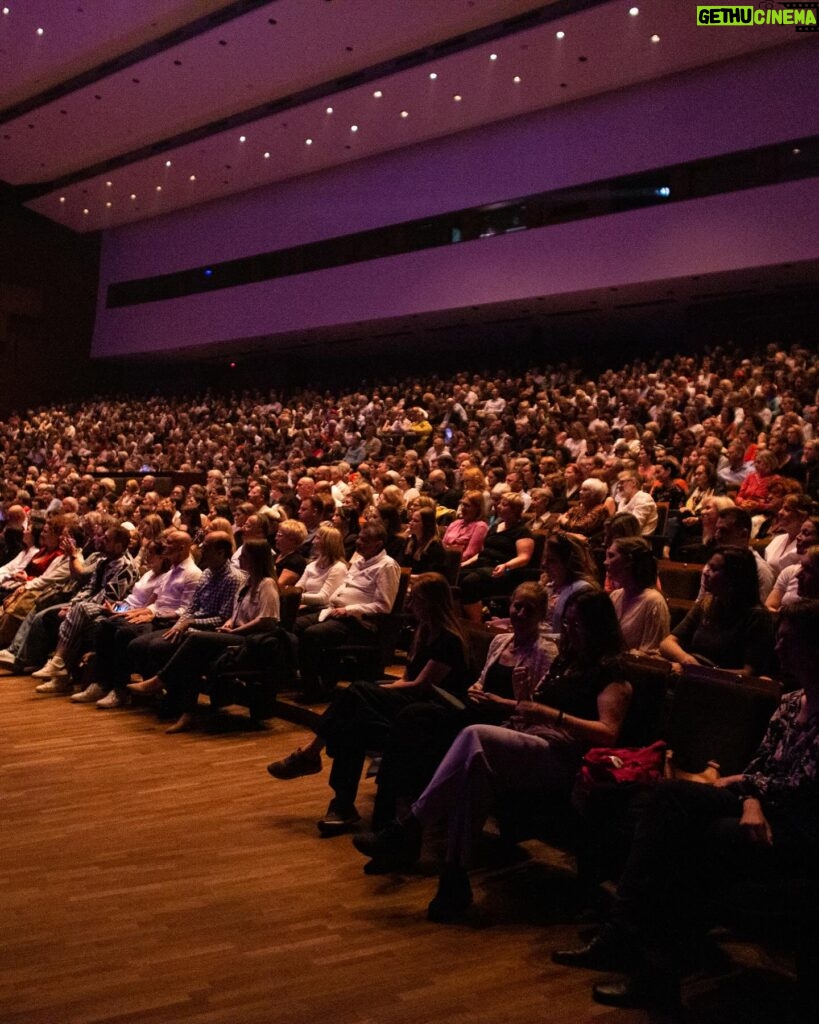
<point>580,703</point>
<point>361,717</point>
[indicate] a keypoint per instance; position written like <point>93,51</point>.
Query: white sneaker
<point>90,695</point>
<point>7,658</point>
<point>112,700</point>
<point>54,686</point>
<point>54,668</point>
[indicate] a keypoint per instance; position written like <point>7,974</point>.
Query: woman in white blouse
<point>325,574</point>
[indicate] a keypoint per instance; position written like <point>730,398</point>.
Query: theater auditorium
<point>409,511</point>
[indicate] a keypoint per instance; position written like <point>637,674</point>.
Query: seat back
<point>679,579</point>
<point>719,716</point>
<point>289,602</point>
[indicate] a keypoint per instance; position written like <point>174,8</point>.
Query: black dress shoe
<point>640,991</point>
<point>338,820</point>
<point>395,848</point>
<point>605,951</point>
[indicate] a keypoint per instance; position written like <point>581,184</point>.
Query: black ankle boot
<point>454,895</point>
<point>607,950</point>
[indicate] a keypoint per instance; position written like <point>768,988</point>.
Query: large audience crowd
<point>149,539</point>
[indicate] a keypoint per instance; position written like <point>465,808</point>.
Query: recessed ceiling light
<point>329,110</point>
<point>457,97</point>
<point>267,156</point>
<point>85,211</point>
<point>5,10</point>
<point>108,204</point>
<point>133,195</point>
<point>796,151</point>
<point>242,138</point>
<point>560,35</point>
<point>377,94</point>
<point>108,184</point>
<point>432,76</point>
<point>159,188</point>
<point>634,11</point>
<point>493,56</point>
<point>39,31</point>
<point>167,163</point>
<point>62,199</point>
<point>516,79</point>
<point>308,142</point>
<point>192,178</point>
<point>353,127</point>
<point>404,113</point>
<point>655,38</point>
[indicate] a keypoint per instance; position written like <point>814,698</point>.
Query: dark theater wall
<point>48,280</point>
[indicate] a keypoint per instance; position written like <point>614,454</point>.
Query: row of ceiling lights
<point>378,94</point>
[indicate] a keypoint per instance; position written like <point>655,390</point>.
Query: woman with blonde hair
<point>468,532</point>
<point>289,562</point>
<point>325,574</point>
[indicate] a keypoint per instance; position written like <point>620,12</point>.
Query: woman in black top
<point>507,550</point>
<point>360,718</point>
<point>423,552</point>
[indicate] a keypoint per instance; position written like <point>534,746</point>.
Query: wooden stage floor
<point>153,878</point>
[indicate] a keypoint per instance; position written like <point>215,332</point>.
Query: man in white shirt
<point>638,503</point>
<point>369,590</point>
<point>173,595</point>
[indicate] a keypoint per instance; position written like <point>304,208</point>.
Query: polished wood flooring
<point>153,878</point>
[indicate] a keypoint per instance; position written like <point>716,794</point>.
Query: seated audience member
<point>210,607</point>
<point>11,541</point>
<point>173,595</point>
<point>110,581</point>
<point>468,532</point>
<point>290,561</point>
<point>629,498</point>
<point>423,732</point>
<point>45,576</point>
<point>438,488</point>
<point>569,569</point>
<point>325,574</point>
<point>727,627</point>
<point>507,550</point>
<point>255,610</point>
<point>390,518</point>
<point>580,703</point>
<point>733,529</point>
<point>541,517</point>
<point>345,520</point>
<point>360,718</point>
<point>800,579</point>
<point>693,842</point>
<point>753,494</point>
<point>696,541</point>
<point>423,552</point>
<point>781,549</point>
<point>142,594</point>
<point>641,609</point>
<point>588,515</point>
<point>369,589</point>
<point>735,470</point>
<point>312,514</point>
<point>621,524</point>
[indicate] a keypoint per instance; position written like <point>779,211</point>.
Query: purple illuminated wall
<point>743,104</point>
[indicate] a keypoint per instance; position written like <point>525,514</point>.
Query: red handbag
<point>607,766</point>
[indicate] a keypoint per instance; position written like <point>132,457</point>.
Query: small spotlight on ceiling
<point>108,184</point>
<point>655,38</point>
<point>267,156</point>
<point>62,199</point>
<point>168,163</point>
<point>353,127</point>
<point>108,204</point>
<point>634,11</point>
<point>457,97</point>
<point>493,56</point>
<point>432,76</point>
<point>516,79</point>
<point>664,191</point>
<point>377,94</point>
<point>308,142</point>
<point>208,271</point>
<point>85,211</point>
<point>560,35</point>
<point>159,188</point>
<point>796,151</point>
<point>404,113</point>
<point>133,195</point>
<point>39,31</point>
<point>192,178</point>
<point>5,10</point>
<point>329,110</point>
<point>242,138</point>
